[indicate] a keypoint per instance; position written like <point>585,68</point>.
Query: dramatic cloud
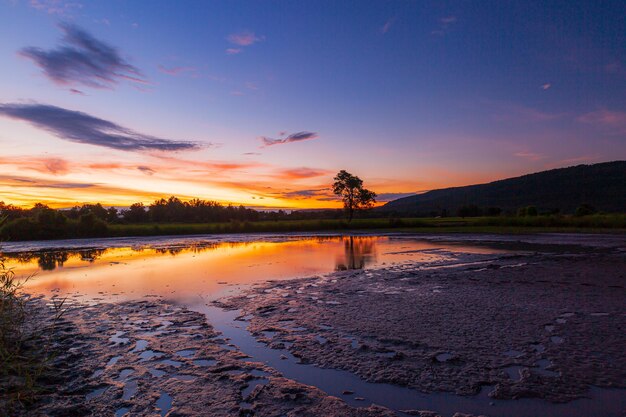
<point>80,127</point>
<point>294,137</point>
<point>83,60</point>
<point>245,38</point>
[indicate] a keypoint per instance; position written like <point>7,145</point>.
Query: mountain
<point>602,186</point>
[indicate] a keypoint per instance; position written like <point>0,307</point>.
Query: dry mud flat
<point>535,325</point>
<point>154,359</point>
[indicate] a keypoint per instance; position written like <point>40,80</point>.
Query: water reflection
<point>359,252</point>
<point>185,269</point>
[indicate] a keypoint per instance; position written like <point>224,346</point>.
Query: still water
<point>181,269</point>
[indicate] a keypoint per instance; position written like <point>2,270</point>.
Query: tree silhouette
<point>350,188</point>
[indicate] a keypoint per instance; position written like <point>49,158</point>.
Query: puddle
<point>538,347</point>
<point>542,364</point>
<point>513,353</point>
<point>121,412</point>
<point>251,386</point>
<point>514,372</point>
<point>269,334</point>
<point>164,403</point>
<point>557,340</point>
<point>95,393</point>
<point>149,354</point>
<point>171,362</point>
<point>116,339</point>
<point>605,402</point>
<point>322,340</point>
<point>124,374</point>
<point>187,353</point>
<point>444,357</point>
<point>258,373</point>
<point>185,378</point>
<point>204,362</point>
<point>157,373</point>
<point>113,361</point>
<point>130,389</point>
<point>140,345</point>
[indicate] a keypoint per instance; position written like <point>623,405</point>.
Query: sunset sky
<point>261,103</point>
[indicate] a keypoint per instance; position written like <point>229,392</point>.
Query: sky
<point>261,103</point>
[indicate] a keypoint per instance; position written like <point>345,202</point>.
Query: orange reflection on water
<point>210,269</point>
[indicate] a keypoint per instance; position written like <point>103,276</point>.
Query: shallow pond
<point>181,269</point>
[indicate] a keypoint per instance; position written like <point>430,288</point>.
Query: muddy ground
<point>534,324</point>
<point>154,359</point>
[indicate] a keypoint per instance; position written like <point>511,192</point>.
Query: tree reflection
<point>48,261</point>
<point>358,253</point>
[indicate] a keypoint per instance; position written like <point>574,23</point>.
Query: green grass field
<point>595,223</point>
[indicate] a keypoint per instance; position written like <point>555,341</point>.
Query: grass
<point>25,343</point>
<point>554,223</point>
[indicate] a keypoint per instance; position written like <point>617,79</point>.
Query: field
<point>595,223</point>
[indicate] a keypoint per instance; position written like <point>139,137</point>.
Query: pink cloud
<point>529,155</point>
<point>55,7</point>
<point>605,117</point>
<point>175,71</point>
<point>244,38</point>
<point>233,51</point>
<point>300,173</point>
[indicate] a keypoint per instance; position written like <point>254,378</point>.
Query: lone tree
<point>350,188</point>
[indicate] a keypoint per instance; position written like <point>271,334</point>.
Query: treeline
<point>92,220</point>
<point>174,216</point>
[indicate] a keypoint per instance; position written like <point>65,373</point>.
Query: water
<point>181,268</point>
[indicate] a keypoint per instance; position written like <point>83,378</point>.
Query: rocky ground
<point>534,325</point>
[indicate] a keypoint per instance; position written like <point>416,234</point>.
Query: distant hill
<point>603,186</point>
